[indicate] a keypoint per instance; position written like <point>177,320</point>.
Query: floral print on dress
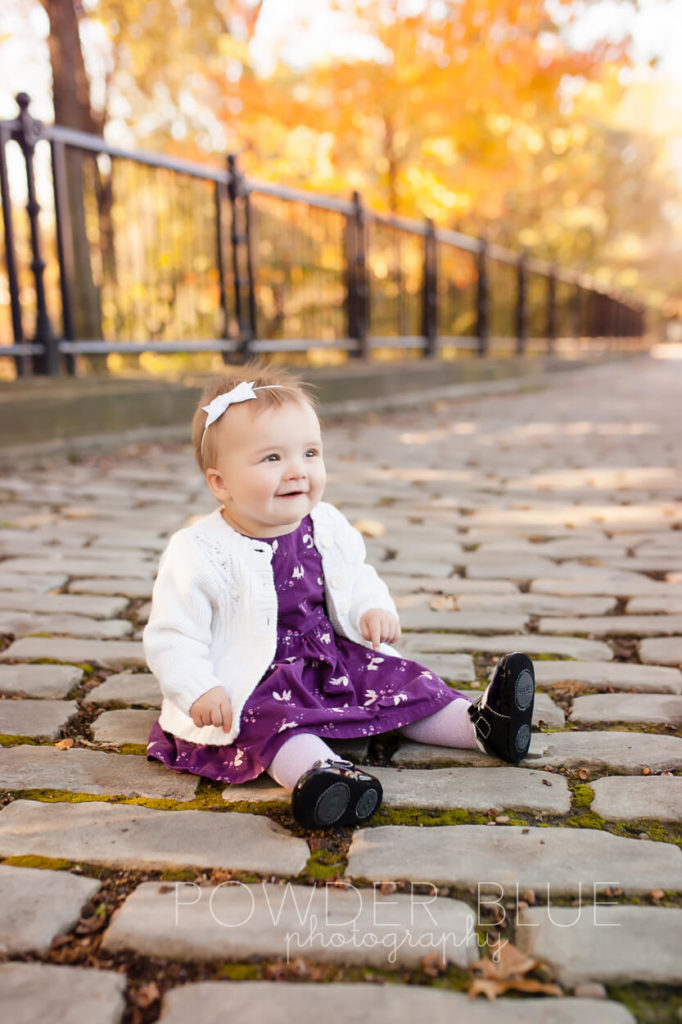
<point>318,682</point>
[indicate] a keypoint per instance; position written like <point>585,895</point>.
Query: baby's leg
<point>297,756</point>
<point>449,727</point>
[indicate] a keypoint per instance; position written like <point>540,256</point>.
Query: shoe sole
<point>331,804</point>
<point>524,695</point>
<point>366,805</point>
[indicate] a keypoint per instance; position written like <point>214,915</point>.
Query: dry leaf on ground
<point>370,527</point>
<point>506,973</point>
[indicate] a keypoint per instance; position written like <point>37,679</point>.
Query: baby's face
<point>269,471</point>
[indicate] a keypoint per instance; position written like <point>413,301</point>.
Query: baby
<point>269,633</point>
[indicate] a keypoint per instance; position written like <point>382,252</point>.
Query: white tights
<point>449,727</point>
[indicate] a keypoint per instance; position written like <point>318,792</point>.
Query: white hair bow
<point>243,392</point>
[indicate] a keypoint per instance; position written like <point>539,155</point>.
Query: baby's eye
<point>311,453</point>
<point>271,458</point>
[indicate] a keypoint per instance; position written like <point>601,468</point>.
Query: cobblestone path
<point>545,521</point>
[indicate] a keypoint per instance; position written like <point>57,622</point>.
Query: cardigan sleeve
<point>177,637</point>
<point>368,589</point>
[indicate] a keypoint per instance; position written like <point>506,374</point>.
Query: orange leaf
<point>64,744</point>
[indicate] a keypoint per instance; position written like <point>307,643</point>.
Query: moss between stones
<point>132,748</point>
<point>239,972</point>
<point>324,864</point>
<point>420,816</point>
<point>582,796</point>
<point>649,1004</point>
<point>13,740</point>
<point>44,863</point>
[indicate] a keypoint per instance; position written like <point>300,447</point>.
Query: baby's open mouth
<point>291,494</point>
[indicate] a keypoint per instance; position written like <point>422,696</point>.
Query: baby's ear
<point>216,483</point>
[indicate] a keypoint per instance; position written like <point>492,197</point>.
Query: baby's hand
<point>213,708</point>
<point>379,626</point>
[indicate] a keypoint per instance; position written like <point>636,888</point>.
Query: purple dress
<point>319,682</point>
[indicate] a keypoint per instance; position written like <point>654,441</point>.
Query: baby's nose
<point>295,469</point>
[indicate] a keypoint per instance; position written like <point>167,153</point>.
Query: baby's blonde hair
<point>288,389</point>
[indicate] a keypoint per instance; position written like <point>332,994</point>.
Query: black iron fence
<point>120,251</point>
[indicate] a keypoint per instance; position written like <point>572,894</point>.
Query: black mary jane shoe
<point>335,793</point>
<point>502,715</point>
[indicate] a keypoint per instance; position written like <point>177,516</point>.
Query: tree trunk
<point>71,93</point>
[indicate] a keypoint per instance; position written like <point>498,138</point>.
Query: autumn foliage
<point>482,114</point>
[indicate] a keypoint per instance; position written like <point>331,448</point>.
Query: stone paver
<point>445,789</point>
<point>63,604</point>
<point>37,905</point>
<point>237,921</point>
<point>663,651</point>
<point>24,624</point>
<point>107,653</point>
<point>663,605</point>
<point>39,680</point>
<point>571,647</point>
<point>657,797</point>
<point>537,604</point>
<point>91,771</point>
<point>453,585</point>
<point>649,708</point>
<point>128,726</point>
<point>140,688</point>
<point>421,755</point>
<point>129,587</point>
<point>628,752</point>
<point>558,861</point>
<point>610,675</point>
<point>642,944</point>
<point>81,566</point>
<point>616,625</point>
<point>611,584</point>
<point>373,1004</point>
<point>468,622</point>
<point>34,583</point>
<point>469,788</point>
<point>121,835</point>
<point>35,717</point>
<point>33,992</point>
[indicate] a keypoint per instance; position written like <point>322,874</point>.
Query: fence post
<point>64,245</point>
<point>240,242</point>
<point>577,312</point>
<point>22,363</point>
<point>27,135</point>
<point>357,295</point>
<point>521,303</point>
<point>218,198</point>
<point>551,310</point>
<point>430,290</point>
<point>483,300</point>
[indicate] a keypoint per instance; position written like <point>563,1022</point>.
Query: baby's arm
<point>372,607</point>
<point>177,638</point>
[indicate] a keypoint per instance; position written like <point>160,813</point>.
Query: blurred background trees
<point>487,115</point>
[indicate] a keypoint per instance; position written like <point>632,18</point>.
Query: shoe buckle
<point>483,727</point>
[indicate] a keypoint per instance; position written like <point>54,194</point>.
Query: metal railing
<point>122,251</point>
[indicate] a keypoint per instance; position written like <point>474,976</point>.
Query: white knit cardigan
<point>213,620</point>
